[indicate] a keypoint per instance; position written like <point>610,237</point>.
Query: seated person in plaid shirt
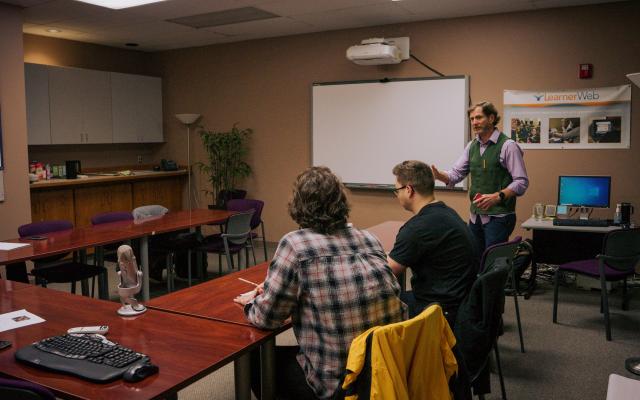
<point>331,279</point>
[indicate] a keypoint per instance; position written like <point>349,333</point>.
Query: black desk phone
<point>168,165</point>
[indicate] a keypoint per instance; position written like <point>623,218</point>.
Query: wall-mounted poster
<point>597,118</point>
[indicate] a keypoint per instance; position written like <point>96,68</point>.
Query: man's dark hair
<point>319,201</point>
<point>487,109</point>
<point>416,174</point>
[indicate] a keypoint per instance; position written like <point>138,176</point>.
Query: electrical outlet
<point>139,159</point>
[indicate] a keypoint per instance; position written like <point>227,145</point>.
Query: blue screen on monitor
<point>585,191</point>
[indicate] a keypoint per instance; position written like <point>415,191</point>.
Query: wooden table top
<point>214,299</point>
<point>6,286</point>
<point>386,233</point>
<point>91,236</point>
<point>185,348</point>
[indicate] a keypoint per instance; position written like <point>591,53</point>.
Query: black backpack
<point>521,262</point>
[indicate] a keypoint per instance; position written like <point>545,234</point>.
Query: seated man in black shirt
<point>435,243</point>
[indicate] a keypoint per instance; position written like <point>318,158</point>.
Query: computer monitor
<point>584,191</point>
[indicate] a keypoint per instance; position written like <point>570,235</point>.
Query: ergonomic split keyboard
<point>580,222</point>
<point>90,357</point>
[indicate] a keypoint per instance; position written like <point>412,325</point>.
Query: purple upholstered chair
<point>236,237</point>
<point>17,389</point>
<point>618,260</point>
<point>111,216</point>
<point>54,269</point>
<point>508,251</point>
<point>108,251</point>
<point>256,220</point>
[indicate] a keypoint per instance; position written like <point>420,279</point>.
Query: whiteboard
<point>362,129</point>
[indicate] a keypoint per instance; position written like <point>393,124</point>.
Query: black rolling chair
<point>55,269</point>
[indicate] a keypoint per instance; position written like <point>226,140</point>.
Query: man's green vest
<point>488,176</point>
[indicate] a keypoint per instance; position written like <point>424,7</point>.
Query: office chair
<point>167,245</point>
<point>109,250</point>
<point>256,220</point>
<point>507,251</point>
<point>405,360</point>
<point>22,390</point>
<point>479,324</point>
<point>54,269</point>
<point>236,237</point>
<point>619,258</point>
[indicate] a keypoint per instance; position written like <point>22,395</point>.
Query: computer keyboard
<point>90,357</point>
<point>580,222</point>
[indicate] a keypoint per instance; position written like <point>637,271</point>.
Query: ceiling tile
<point>264,28</point>
<point>295,7</point>
<point>355,17</point>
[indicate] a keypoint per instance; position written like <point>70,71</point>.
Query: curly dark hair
<point>319,201</point>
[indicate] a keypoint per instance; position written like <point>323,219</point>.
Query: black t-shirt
<point>440,250</point>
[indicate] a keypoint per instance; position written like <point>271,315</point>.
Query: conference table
<point>185,348</point>
<point>213,300</point>
<point>79,239</point>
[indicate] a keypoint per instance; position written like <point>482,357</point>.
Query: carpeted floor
<point>568,360</point>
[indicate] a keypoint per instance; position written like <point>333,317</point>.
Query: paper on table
<point>11,246</point>
<point>18,319</point>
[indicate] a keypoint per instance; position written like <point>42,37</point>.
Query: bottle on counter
<point>617,217</point>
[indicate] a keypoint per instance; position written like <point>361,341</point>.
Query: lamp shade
<point>188,119</point>
<point>635,78</point>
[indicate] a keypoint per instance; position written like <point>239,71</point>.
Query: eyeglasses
<point>397,190</point>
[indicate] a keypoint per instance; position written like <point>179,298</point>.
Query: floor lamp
<point>188,120</point>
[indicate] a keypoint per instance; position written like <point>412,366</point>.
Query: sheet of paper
<point>18,319</point>
<point>11,246</point>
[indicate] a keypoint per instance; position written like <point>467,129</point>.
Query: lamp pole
<point>188,120</point>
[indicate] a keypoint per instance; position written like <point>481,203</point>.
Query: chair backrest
<point>16,389</point>
<point>39,228</point>
<point>478,320</point>
<point>621,249</point>
<point>239,227</point>
<point>149,211</point>
<point>412,354</point>
<point>505,249</point>
<point>246,205</point>
<point>111,216</point>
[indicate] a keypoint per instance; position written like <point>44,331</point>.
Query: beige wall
<point>13,212</point>
<point>266,85</point>
<point>68,53</point>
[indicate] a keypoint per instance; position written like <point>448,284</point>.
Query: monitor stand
<point>584,213</point>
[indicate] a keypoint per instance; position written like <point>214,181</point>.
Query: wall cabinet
<point>37,93</point>
<point>81,106</point>
<point>136,108</point>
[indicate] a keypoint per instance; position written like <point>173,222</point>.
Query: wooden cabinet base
<point>79,203</point>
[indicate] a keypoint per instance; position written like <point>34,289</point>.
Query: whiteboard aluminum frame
<point>387,187</point>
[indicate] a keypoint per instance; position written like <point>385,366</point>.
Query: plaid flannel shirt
<point>334,287</point>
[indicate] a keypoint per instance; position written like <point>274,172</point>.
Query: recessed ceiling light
<point>54,30</point>
<point>119,4</point>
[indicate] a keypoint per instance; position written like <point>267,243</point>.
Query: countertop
<point>93,179</point>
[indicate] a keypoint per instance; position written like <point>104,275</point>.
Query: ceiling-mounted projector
<point>379,51</point>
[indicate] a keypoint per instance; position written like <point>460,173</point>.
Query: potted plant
<point>226,166</point>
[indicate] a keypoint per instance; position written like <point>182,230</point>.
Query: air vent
<point>226,17</point>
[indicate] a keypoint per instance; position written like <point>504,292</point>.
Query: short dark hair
<point>319,201</point>
<point>416,174</point>
<point>487,109</point>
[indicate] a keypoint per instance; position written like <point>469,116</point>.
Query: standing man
<point>498,175</point>
<point>435,243</point>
